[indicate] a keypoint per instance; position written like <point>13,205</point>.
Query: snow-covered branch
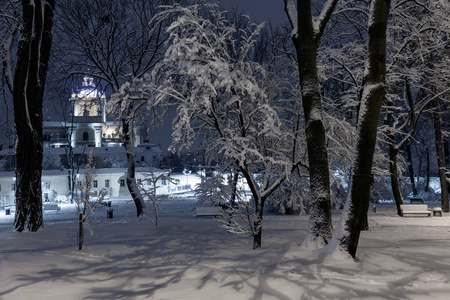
<point>291,12</point>
<point>321,21</point>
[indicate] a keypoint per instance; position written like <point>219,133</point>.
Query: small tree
<point>84,203</point>
<point>148,189</point>
<point>213,191</point>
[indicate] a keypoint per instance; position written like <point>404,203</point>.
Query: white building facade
<point>88,127</point>
<point>55,183</point>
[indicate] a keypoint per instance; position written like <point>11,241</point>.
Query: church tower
<point>89,125</point>
<point>89,102</point>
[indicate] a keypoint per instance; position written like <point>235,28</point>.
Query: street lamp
<point>187,172</point>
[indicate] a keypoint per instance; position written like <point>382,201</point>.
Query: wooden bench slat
<point>208,211</point>
<point>415,200</point>
<point>47,206</point>
<point>418,209</point>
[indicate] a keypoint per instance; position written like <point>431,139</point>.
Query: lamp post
<point>187,172</point>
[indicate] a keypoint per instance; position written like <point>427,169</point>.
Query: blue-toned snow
<point>188,258</point>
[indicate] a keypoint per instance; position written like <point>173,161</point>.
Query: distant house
<point>88,127</point>
<point>55,183</point>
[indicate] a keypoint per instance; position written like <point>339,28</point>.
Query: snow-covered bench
<point>208,211</point>
<point>416,209</point>
<point>51,206</point>
<point>415,200</point>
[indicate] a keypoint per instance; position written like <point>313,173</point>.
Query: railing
<point>179,188</point>
<point>111,140</point>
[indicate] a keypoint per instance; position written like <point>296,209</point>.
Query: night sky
<point>260,10</point>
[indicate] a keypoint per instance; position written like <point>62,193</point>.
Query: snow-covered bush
<point>212,191</point>
<point>290,198</point>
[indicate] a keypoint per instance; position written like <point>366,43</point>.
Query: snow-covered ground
<point>189,258</point>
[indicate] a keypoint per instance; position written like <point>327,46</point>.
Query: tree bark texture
<point>411,170</point>
<point>374,84</point>
<point>447,161</point>
<point>427,175</point>
<point>131,178</point>
<point>393,152</point>
<point>393,170</point>
<point>320,228</point>
<point>257,224</point>
<point>28,90</point>
<point>440,157</point>
<point>80,231</point>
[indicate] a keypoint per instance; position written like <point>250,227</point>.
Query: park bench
<point>415,200</point>
<point>208,211</point>
<point>416,209</point>
<point>51,206</point>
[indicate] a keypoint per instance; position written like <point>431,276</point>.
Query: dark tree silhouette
<point>28,90</point>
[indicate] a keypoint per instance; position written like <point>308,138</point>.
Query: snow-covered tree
<point>9,29</point>
<point>85,203</point>
<point>219,93</point>
<point>111,41</point>
<point>148,189</point>
<point>416,31</point>
<point>306,36</point>
<point>417,39</point>
<point>213,191</point>
<point>346,235</point>
<point>27,83</point>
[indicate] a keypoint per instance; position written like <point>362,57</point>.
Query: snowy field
<point>189,258</point>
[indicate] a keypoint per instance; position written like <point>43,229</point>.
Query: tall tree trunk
<point>447,162</point>
<point>80,231</point>
<point>257,224</point>
<point>131,178</point>
<point>233,204</point>
<point>427,172</point>
<point>393,168</point>
<point>28,92</point>
<point>411,170</point>
<point>440,157</point>
<point>446,152</point>
<point>349,227</point>
<point>320,228</point>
